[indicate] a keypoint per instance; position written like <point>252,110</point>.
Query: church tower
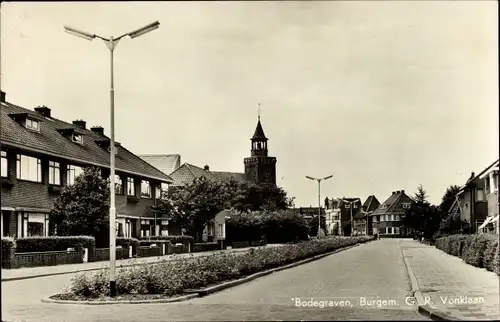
<point>259,167</point>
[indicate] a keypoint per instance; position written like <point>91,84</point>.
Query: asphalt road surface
<point>368,282</point>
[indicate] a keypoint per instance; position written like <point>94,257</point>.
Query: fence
<point>48,258</point>
<point>102,254</point>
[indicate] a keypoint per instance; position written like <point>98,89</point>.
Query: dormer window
<point>347,206</point>
<point>116,150</point>
<point>383,207</point>
<point>78,138</point>
<point>32,124</point>
<point>355,206</point>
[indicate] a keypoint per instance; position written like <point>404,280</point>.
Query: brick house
<point>361,226</point>
<point>332,213</point>
<point>349,207</point>
<point>477,200</point>
<point>41,154</point>
<point>386,219</point>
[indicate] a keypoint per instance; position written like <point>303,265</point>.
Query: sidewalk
<point>32,272</point>
<point>451,285</point>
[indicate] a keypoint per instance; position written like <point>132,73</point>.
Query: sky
<point>384,95</point>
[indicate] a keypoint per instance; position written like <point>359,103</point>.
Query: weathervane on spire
<point>258,111</point>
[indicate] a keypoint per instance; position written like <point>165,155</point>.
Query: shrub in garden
<point>52,243</point>
<point>7,243</point>
<point>489,254</point>
<point>474,248</point>
<point>173,277</point>
<point>126,241</point>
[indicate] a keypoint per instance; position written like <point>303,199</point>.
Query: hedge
<point>125,242</point>
<point>205,247</point>
<point>480,250</point>
<point>172,239</point>
<point>279,227</point>
<point>52,243</point>
<point>173,277</point>
<point>7,243</point>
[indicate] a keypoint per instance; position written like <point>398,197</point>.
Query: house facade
<point>478,200</point>
<point>332,213</point>
<point>475,201</point>
<point>361,219</point>
<point>386,219</point>
<point>41,154</point>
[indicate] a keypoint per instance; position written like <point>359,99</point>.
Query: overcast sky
<point>385,95</point>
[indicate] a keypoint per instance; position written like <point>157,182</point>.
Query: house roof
<point>393,204</point>
<point>259,132</point>
<point>166,163</point>
<point>51,141</point>
<point>371,203</point>
<point>474,176</point>
<point>187,172</point>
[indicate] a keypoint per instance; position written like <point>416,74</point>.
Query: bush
<point>7,243</point>
<point>279,227</point>
<point>125,242</point>
<point>173,277</point>
<point>172,239</point>
<point>477,250</point>
<point>52,243</point>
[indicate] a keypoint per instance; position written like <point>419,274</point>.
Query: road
<point>374,271</point>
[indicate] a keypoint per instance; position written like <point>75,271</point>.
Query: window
<point>382,230</point>
<point>116,150</point>
<point>130,187</point>
<point>5,168</point>
<point>164,190</point>
<point>396,217</point>
<point>73,172</point>
<point>374,219</point>
<point>347,206</point>
<point>54,173</point>
<point>480,195</point>
<point>118,185</point>
<point>487,185</point>
<point>355,206</point>
<point>32,125</point>
<point>29,168</point>
<point>145,189</point>
<point>390,217</point>
<point>396,230</point>
<point>157,191</point>
<point>383,207</point>
<point>406,205</point>
<point>78,138</point>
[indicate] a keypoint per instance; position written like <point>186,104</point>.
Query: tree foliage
<point>83,208</point>
<point>193,205</point>
<point>448,198</point>
<point>422,215</point>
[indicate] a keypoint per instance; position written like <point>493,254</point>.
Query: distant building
<point>386,220</point>
<point>361,222</point>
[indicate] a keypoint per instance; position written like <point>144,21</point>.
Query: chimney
<point>43,110</point>
<point>402,191</point>
<point>80,123</point>
<point>98,130</point>
<point>206,168</point>
<point>393,193</point>
<point>2,96</point>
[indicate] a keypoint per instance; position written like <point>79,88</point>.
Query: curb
<point>423,308</point>
<point>206,291</point>
<point>172,300</point>
<point>17,278</point>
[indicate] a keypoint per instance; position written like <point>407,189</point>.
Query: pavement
<point>349,285</point>
<point>33,272</point>
<point>445,284</point>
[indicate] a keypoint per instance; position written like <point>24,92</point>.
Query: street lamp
<point>350,206</point>
<point>112,43</point>
<point>319,200</point>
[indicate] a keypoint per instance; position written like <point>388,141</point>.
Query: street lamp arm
<point>79,33</point>
<point>311,178</point>
<point>326,178</point>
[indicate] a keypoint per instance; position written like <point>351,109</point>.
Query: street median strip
<point>170,279</point>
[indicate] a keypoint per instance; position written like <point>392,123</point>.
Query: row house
<point>344,209</point>
<point>41,154</point>
<point>332,216</point>
<point>477,200</point>
<point>386,220</point>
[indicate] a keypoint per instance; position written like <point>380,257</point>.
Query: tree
<point>422,216</point>
<point>421,195</point>
<point>192,206</point>
<point>83,208</point>
<point>451,223</point>
<point>448,198</point>
<point>313,225</point>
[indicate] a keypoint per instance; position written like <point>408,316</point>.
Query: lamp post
<point>319,200</point>
<point>111,44</point>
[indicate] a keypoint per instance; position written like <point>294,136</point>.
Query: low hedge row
<point>52,243</point>
<point>205,247</point>
<point>173,277</point>
<point>125,242</point>
<point>172,239</point>
<point>480,250</point>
